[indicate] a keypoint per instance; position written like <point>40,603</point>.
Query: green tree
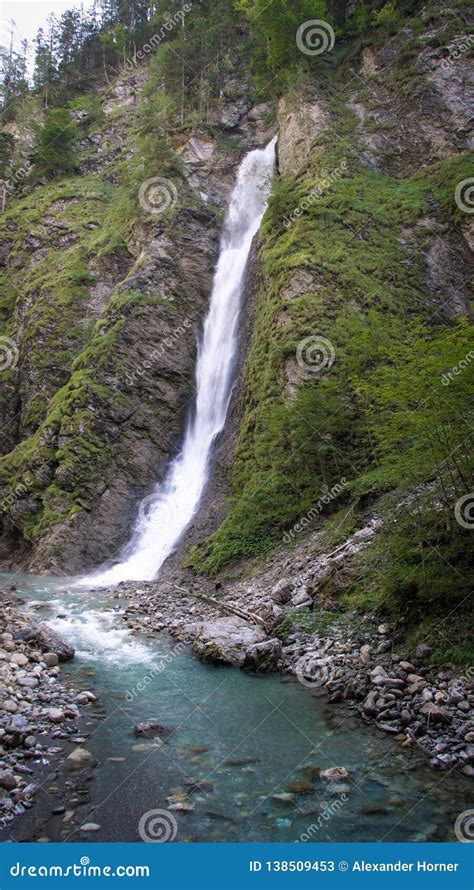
<point>54,149</point>
<point>274,28</point>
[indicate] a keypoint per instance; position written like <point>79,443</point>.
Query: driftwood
<point>225,607</point>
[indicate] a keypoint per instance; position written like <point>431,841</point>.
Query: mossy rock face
<point>103,300</point>
<point>363,240</point>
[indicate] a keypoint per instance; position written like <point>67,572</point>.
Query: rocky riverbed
<point>358,663</point>
<point>38,712</point>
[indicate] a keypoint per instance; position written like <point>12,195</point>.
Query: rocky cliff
<point>367,235</point>
<point>106,297</point>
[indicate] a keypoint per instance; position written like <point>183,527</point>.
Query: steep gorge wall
<point>362,231</point>
<point>104,306</point>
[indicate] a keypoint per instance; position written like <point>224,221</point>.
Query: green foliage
<point>54,149</point>
<point>388,15</point>
<point>274,28</point>
<point>419,410</point>
<point>7,144</point>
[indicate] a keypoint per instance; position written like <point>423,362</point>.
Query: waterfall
<point>165,514</point>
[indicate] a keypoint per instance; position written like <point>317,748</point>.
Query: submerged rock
<point>334,774</point>
<point>79,759</point>
<point>150,729</point>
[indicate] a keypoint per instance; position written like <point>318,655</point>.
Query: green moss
<point>354,233</point>
<point>292,446</point>
<point>317,622</point>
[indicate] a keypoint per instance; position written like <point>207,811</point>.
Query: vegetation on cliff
<point>360,364</point>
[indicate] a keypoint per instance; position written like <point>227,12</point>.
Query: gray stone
<point>47,641</point>
<point>263,656</point>
<point>226,640</point>
<point>79,758</point>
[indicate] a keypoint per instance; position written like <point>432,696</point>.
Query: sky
<point>29,15</point>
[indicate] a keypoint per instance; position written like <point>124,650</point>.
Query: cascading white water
<point>166,513</point>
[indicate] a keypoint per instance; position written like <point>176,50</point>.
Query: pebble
<point>50,659</point>
<point>56,715</point>
<point>7,780</point>
<point>33,702</point>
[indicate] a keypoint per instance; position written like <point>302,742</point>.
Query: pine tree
<point>54,148</point>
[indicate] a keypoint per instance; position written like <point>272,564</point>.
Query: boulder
<point>226,640</point>
<point>50,659</point>
<point>423,650</point>
<point>264,656</point>
<point>7,780</point>
<point>19,659</point>
<point>281,592</point>
<point>47,641</point>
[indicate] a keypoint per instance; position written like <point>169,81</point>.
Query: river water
<point>239,740</point>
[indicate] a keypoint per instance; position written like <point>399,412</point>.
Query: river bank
<point>219,771</point>
<point>42,717</point>
<point>358,663</point>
